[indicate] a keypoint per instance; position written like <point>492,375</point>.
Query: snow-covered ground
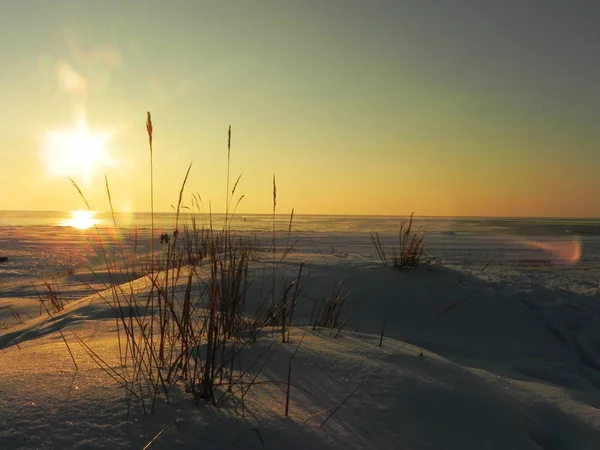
<point>497,346</point>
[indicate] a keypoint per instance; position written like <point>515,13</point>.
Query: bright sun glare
<point>77,152</point>
<point>80,219</point>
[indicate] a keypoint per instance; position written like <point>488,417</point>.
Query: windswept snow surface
<point>487,350</point>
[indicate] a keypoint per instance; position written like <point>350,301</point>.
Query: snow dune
<point>466,362</point>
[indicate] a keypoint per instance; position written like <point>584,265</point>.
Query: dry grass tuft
<point>192,322</point>
<point>411,251</point>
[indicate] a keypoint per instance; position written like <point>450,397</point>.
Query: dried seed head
<point>149,127</point>
<point>149,124</point>
<point>274,193</point>
<point>229,138</point>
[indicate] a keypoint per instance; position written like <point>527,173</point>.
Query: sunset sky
<point>463,107</point>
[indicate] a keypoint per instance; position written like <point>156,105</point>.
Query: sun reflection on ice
<point>80,219</point>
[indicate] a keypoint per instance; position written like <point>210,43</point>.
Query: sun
<point>78,152</point>
<point>80,219</point>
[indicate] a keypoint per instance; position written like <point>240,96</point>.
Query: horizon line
<point>316,215</point>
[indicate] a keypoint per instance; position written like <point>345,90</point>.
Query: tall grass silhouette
<point>193,322</point>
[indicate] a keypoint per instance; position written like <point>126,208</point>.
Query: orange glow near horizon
<point>377,111</point>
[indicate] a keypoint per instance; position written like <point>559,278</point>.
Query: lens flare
<point>563,251</point>
<point>566,251</point>
<point>80,219</point>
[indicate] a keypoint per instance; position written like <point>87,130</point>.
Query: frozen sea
<point>563,252</point>
<point>515,365</point>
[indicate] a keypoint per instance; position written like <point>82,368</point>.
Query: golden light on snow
<point>79,152</point>
<point>81,219</point>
